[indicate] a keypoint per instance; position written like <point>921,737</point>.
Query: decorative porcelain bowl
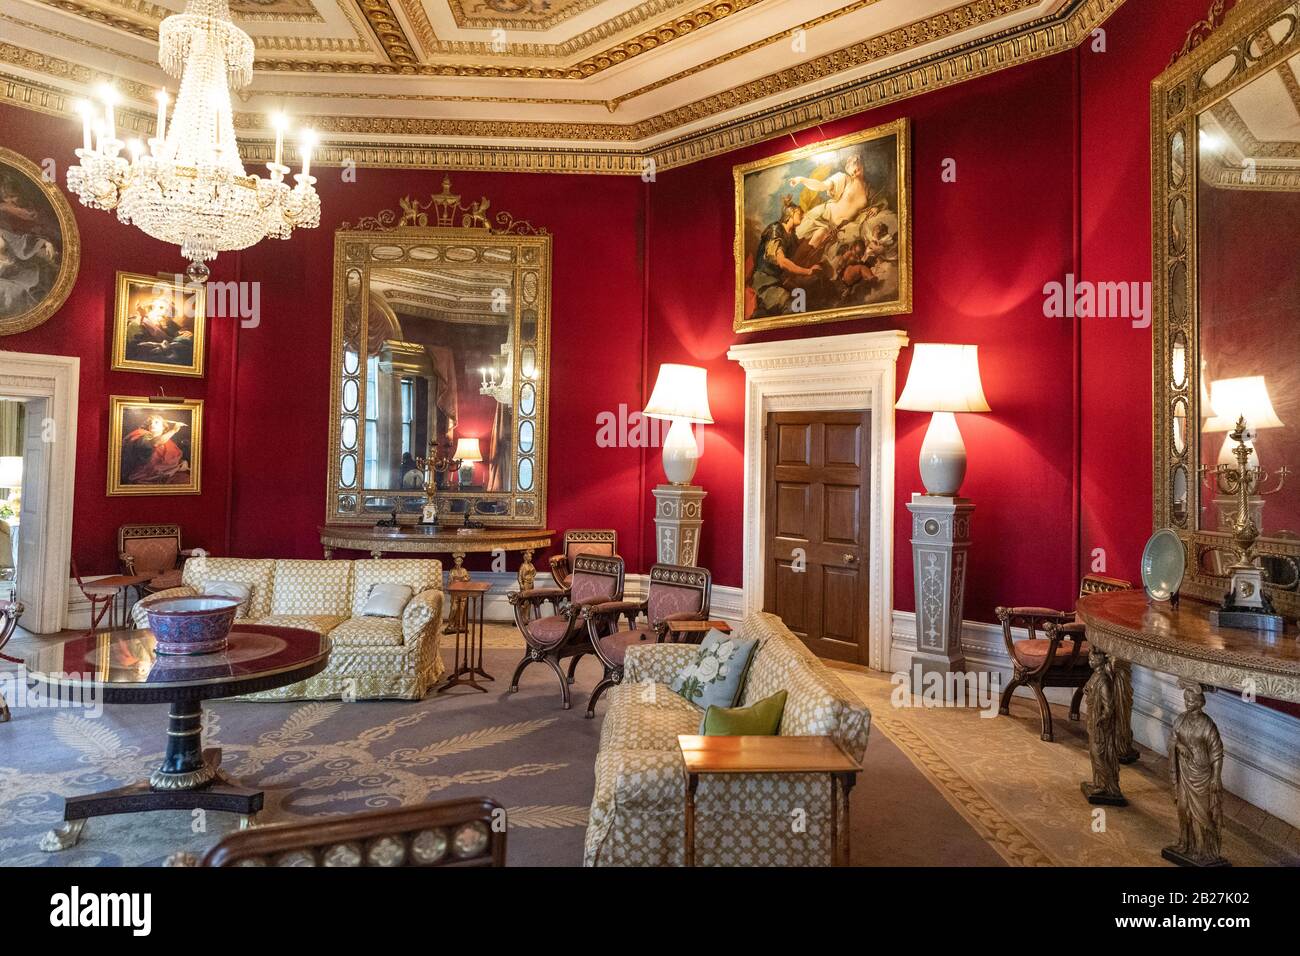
<point>192,625</point>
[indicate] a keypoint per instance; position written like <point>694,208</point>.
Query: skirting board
<point>1262,746</point>
<point>496,608</point>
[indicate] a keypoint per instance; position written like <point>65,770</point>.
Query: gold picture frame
<point>23,185</point>
<point>858,264</point>
<point>147,457</point>
<point>159,325</point>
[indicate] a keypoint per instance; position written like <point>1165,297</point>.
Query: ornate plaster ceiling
<point>580,85</point>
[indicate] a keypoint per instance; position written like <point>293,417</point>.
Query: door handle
<point>850,559</point>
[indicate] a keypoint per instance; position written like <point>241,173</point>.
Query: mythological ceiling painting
<point>573,85</point>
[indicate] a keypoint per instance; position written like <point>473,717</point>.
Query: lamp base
<point>943,456</point>
<point>679,518</point>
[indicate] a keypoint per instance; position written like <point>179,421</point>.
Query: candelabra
<point>1246,604</point>
<point>188,185</point>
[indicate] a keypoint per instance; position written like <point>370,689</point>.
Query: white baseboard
<point>1262,746</point>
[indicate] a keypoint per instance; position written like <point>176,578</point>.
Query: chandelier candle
<point>190,187</point>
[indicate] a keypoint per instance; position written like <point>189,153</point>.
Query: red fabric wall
<point>266,390</point>
<point>1115,245</point>
<point>983,248</point>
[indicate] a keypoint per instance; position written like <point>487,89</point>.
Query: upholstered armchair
<point>1058,658</point>
<point>565,634</point>
<point>676,594</point>
<point>597,541</point>
<point>152,550</point>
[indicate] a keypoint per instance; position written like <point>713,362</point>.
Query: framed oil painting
<point>155,447</point>
<point>159,325</point>
<point>39,246</point>
<point>824,232</point>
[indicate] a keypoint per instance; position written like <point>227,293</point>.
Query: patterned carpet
<point>330,757</point>
<point>313,758</point>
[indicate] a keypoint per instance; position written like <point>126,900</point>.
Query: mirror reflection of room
<point>439,370</point>
<point>1248,200</point>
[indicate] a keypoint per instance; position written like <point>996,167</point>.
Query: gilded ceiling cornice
<point>380,15</point>
<point>141,20</point>
<point>524,20</point>
<point>975,59</point>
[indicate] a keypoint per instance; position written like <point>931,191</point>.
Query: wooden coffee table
<point>123,667</point>
<point>724,755</point>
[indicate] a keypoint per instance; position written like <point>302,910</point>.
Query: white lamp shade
<point>11,471</point>
<point>1231,398</point>
<point>944,378</point>
<point>467,450</point>
<point>681,393</point>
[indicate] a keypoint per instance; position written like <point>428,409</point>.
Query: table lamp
<point>943,379</point>
<point>467,452</point>
<point>680,396</point>
<point>1231,398</point>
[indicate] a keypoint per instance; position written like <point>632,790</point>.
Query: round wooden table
<point>1124,626</point>
<point>123,667</point>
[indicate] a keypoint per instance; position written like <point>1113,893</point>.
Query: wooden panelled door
<point>816,543</point>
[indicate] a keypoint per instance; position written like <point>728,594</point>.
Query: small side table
<point>724,755</point>
<point>693,632</point>
<point>469,596</point>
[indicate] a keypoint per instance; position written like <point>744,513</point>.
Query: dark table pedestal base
<point>190,778</point>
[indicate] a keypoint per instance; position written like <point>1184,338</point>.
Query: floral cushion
<point>715,677</point>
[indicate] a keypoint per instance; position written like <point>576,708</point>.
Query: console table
<point>411,539</point>
<point>1181,641</point>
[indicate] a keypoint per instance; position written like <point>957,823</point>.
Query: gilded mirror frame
<point>1217,60</point>
<point>445,232</point>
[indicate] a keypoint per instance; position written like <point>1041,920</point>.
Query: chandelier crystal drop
<point>188,185</point>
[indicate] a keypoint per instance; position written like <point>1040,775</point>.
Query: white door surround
<point>826,373</point>
<point>50,385</point>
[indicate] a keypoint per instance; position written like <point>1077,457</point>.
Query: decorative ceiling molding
<point>516,14</point>
<point>381,141</point>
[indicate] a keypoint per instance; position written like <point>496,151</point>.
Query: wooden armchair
<point>468,832</point>
<point>153,551</point>
<point>1057,659</point>
<point>677,595</point>
<point>598,541</point>
<point>550,639</point>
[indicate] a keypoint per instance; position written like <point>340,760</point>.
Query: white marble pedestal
<point>679,515</point>
<point>940,541</point>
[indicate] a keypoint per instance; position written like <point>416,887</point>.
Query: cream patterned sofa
<point>637,813</point>
<point>372,657</point>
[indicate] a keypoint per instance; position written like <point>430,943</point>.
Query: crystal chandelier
<point>188,186</point>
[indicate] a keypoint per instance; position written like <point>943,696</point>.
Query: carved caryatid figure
<point>1123,672</point>
<point>1103,746</point>
<point>1196,768</point>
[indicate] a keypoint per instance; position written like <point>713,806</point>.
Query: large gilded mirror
<point>440,368</point>
<point>1226,210</point>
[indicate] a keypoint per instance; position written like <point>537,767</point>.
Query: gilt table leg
<point>1103,747</point>
<point>1196,771</point>
<point>1128,753</point>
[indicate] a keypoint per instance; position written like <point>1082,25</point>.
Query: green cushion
<point>761,719</point>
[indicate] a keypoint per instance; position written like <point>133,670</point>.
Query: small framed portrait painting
<point>155,447</point>
<point>824,232</point>
<point>159,325</point>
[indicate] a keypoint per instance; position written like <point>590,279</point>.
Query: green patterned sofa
<point>372,657</point>
<point>637,813</point>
